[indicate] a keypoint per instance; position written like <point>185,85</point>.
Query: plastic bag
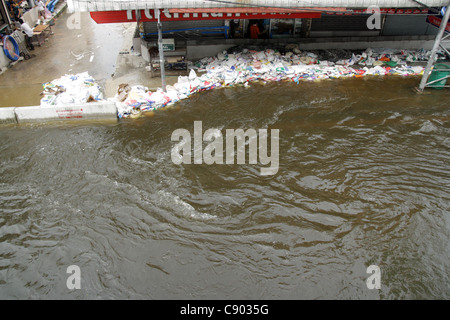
<point>192,75</point>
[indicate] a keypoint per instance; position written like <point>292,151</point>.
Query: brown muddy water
<point>364,180</point>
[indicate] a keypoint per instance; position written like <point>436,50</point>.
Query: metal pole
<point>6,11</point>
<point>437,42</point>
<point>442,47</point>
<point>161,51</point>
<point>270,28</point>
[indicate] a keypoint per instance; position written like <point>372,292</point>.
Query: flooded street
<point>363,180</point>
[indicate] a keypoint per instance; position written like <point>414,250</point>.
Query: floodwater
<point>364,179</point>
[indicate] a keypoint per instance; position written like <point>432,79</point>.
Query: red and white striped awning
<point>204,14</point>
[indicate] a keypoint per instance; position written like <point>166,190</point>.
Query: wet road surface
<point>77,45</point>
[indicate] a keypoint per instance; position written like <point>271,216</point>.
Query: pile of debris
<point>71,89</point>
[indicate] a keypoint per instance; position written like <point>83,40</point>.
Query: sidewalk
<point>78,45</point>
<point>32,18</point>
<point>73,48</point>
<point>130,69</point>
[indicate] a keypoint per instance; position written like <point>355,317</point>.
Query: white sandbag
<point>192,75</point>
<point>183,79</point>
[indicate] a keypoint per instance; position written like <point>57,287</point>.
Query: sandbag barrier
<point>246,66</point>
<point>80,97</point>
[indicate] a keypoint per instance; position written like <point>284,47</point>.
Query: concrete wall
<point>97,110</point>
<point>137,43</point>
<point>7,115</point>
<point>4,61</point>
<point>199,49</point>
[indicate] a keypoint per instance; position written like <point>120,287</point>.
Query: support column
<point>306,27</point>
<point>161,50</point>
<point>437,42</point>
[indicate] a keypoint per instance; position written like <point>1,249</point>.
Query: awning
<point>256,10</point>
<point>114,5</point>
<point>198,14</point>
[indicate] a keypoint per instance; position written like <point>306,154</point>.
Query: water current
<point>364,179</point>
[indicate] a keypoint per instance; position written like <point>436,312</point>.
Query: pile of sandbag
<point>71,89</point>
<point>246,66</point>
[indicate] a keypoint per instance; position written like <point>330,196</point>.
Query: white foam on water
<point>427,127</point>
<point>181,207</point>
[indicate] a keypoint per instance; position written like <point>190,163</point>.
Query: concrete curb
<point>7,115</point>
<point>90,111</point>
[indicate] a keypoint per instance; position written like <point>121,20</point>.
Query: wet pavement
<point>70,50</point>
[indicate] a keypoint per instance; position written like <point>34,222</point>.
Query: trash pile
<point>389,57</point>
<point>71,89</point>
<point>131,101</point>
<point>244,66</point>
